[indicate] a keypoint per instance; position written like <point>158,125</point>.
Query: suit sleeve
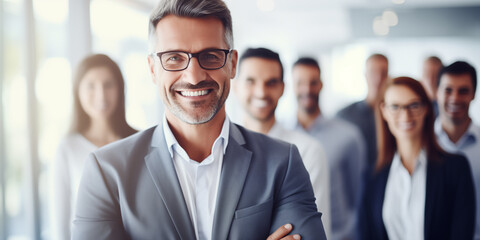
<point>295,202</point>
<point>97,212</point>
<point>464,209</point>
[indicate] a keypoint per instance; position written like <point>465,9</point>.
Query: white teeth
<point>406,125</point>
<point>454,107</point>
<point>194,93</point>
<point>259,103</point>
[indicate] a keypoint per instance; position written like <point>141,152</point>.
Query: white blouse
<point>67,169</point>
<point>404,202</point>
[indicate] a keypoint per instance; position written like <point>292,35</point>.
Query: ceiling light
<point>390,18</point>
<point>398,1</point>
<point>380,28</point>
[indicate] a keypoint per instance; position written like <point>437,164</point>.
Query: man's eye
<point>210,57</point>
<point>173,57</point>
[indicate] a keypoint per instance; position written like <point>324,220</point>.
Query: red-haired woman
<point>418,191</point>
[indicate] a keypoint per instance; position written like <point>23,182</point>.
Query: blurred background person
<point>418,191</point>
<point>362,113</point>
<point>343,144</point>
<point>98,119</point>
<point>454,127</point>
<point>258,87</point>
<point>431,67</point>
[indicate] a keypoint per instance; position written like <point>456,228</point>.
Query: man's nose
<point>260,90</point>
<point>194,74</point>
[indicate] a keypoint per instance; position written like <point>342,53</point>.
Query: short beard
<point>201,118</point>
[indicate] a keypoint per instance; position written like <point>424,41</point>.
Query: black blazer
<point>449,201</point>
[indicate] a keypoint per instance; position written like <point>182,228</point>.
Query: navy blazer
<point>449,201</point>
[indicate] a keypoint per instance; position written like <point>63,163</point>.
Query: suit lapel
<point>379,198</point>
<point>234,172</point>
<point>161,169</point>
<point>431,189</point>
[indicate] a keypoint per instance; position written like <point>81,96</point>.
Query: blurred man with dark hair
<point>454,128</point>
<point>258,87</point>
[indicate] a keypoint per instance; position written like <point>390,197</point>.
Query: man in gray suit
<point>195,175</point>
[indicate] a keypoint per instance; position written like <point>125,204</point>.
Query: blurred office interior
<point>41,41</point>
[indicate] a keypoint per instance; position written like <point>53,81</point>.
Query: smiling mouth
<point>259,103</point>
<point>454,107</point>
<point>195,93</point>
<point>406,125</point>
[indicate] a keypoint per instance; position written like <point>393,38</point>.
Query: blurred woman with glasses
<point>417,191</point>
<point>98,119</point>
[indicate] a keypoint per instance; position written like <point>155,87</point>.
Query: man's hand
<point>282,231</point>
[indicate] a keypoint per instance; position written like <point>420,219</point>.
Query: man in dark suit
<point>195,175</point>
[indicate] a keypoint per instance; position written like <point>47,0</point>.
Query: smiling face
<point>404,112</point>
<point>259,86</point>
<point>98,93</point>
<point>454,95</point>
<point>307,87</point>
<point>193,95</point>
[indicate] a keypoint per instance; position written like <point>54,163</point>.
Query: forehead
<point>461,80</point>
<point>303,69</point>
<point>261,68</point>
<point>97,73</point>
<point>431,64</point>
<point>376,62</point>
<point>400,94</point>
<point>189,34</point>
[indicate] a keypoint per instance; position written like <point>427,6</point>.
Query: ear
<point>321,85</point>
<point>283,87</point>
<point>151,67</point>
<point>233,59</point>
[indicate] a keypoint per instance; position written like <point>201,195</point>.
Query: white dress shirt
<point>315,161</point>
<point>404,202</point>
<point>199,180</point>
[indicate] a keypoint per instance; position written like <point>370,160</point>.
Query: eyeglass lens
<point>209,59</point>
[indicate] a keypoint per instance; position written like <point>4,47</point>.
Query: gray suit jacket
<point>130,190</point>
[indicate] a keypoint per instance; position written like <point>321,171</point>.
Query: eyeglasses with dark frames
<point>414,108</point>
<point>209,59</point>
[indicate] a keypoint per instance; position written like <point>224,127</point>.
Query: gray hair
<point>193,9</point>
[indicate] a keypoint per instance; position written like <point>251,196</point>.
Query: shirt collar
<point>316,123</point>
<point>172,141</point>
<point>471,135</point>
<point>421,160</point>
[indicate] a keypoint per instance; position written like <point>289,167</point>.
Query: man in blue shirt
<point>454,128</point>
<point>344,147</point>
